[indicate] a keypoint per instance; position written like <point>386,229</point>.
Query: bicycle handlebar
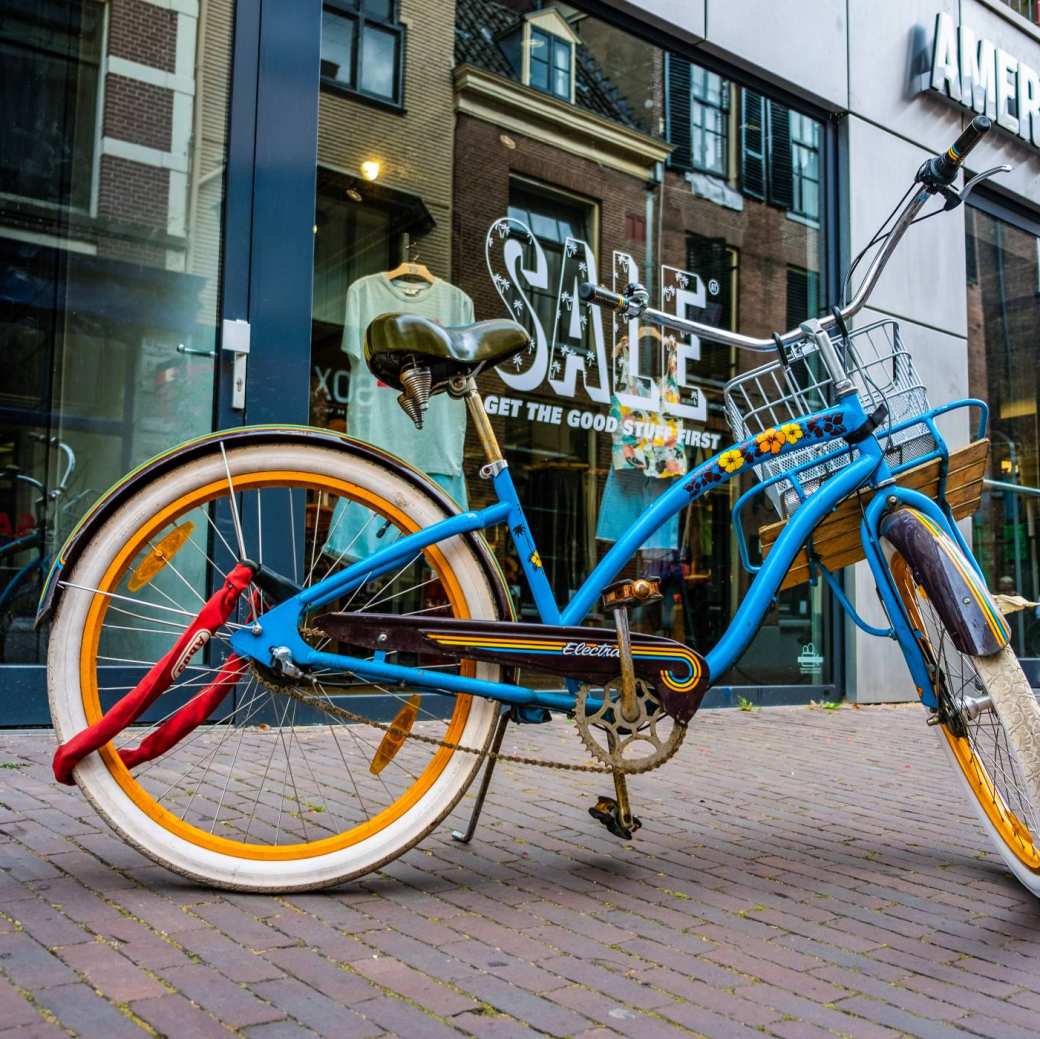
<point>942,170</point>
<point>935,176</point>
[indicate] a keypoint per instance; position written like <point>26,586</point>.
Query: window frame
<point>563,198</point>
<point>353,10</point>
<point>96,133</point>
<point>723,108</point>
<point>798,178</point>
<point>554,41</point>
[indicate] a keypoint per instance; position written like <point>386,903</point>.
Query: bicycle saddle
<point>396,341</point>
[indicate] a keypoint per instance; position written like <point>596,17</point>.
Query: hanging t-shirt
<point>373,413</point>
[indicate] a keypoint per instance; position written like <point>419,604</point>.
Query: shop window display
<point>1003,268</point>
<point>110,247</point>
<point>708,193</point>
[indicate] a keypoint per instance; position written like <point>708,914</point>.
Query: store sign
<point>983,78</point>
<point>576,345</point>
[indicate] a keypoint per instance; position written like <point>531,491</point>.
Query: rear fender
<point>953,585</point>
<point>251,436</point>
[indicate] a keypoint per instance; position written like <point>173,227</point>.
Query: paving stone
<point>315,1010</point>
<point>229,1002</point>
<point>78,1008</point>
<point>750,904</point>
<point>403,1019</point>
<point>29,965</point>
<point>219,951</point>
<point>399,977</point>
<point>15,1010</point>
<point>321,974</point>
<point>173,1015</point>
<point>111,972</point>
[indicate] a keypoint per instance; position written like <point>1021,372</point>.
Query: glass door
<point>112,176</point>
<point>1003,264</point>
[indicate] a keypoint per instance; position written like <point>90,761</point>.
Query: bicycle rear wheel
<point>975,733</point>
<point>275,795</point>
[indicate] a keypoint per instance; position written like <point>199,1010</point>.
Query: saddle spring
<point>416,382</point>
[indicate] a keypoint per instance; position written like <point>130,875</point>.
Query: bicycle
<point>363,688</point>
<point>19,642</point>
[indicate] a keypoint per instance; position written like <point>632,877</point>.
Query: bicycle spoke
<point>232,501</point>
<point>272,770</point>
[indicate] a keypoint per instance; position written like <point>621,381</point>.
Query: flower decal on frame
<point>731,460</point>
<point>770,441</point>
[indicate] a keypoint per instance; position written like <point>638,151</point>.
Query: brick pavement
<point>800,873</point>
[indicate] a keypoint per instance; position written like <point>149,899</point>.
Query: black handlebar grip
<point>590,292</point>
<point>947,165</point>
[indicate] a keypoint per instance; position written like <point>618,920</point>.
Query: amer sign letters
<point>983,78</point>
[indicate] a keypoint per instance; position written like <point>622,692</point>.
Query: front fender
<point>953,585</point>
<point>116,496</point>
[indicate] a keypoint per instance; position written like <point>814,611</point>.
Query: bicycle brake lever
<point>954,198</point>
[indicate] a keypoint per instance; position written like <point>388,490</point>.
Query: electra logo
<point>198,640</point>
<point>590,649</point>
<point>983,78</point>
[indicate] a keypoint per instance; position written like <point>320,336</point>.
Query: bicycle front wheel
<point>975,733</point>
<point>274,795</point>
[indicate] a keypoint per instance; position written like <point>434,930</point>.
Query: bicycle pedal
<point>606,811</point>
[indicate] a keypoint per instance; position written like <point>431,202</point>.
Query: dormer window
<point>550,62</point>
<point>541,52</point>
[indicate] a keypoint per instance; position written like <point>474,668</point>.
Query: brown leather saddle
<point>396,342</point>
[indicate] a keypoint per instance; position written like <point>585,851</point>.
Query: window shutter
<point>709,258</point>
<point>803,295</point>
<point>677,111</point>
<point>752,144</point>
<point>781,175</point>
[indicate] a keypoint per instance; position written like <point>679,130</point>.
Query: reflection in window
<point>361,48</point>
<point>50,53</point>
<point>709,118</point>
<point>550,64</point>
<point>553,220</point>
<point>805,166</point>
<point>1003,327</point>
<point>803,295</point>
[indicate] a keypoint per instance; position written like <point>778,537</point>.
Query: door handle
<point>235,339</point>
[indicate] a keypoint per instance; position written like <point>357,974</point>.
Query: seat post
<point>466,387</point>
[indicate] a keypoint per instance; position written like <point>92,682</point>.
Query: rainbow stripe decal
<point>997,624</point>
<point>682,676</point>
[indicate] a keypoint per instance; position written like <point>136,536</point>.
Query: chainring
<point>628,746</point>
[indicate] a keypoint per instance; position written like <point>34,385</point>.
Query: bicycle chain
<point>325,705</point>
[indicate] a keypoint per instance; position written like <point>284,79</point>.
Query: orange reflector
<point>396,735</point>
<point>161,553</point>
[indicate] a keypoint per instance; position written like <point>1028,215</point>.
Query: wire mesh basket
<point>880,368</point>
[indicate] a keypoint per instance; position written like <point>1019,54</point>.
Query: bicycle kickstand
<point>485,782</point>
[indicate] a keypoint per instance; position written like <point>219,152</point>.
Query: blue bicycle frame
<point>867,468</point>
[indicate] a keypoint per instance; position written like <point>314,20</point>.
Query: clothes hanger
<point>411,269</point>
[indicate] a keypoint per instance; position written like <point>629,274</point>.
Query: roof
<point>480,23</point>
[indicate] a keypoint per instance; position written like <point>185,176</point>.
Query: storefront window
<point>110,247</point>
<point>654,169</point>
<point>49,55</point>
<point>1003,264</point>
